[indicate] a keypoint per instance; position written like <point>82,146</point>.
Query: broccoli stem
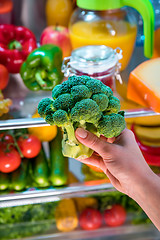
<point>69,135</point>
<point>70,145</point>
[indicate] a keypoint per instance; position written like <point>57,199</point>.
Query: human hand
<point>119,158</point>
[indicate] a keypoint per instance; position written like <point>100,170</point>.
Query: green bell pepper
<point>42,69</point>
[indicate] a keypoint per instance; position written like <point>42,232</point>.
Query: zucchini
<point>4,181</point>
<point>58,163</point>
<point>40,170</point>
<point>19,178</point>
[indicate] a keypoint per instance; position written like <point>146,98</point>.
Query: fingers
<point>92,141</point>
<point>126,137</point>
<point>95,161</point>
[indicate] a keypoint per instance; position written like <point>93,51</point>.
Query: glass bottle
<point>111,23</point>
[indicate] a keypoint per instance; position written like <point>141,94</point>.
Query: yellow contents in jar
<point>110,33</point>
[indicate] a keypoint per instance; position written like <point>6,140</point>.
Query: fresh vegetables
<point>82,102</point>
<point>42,69</point>
<point>66,215</point>
<point>134,212</point>
<point>40,170</point>
<point>16,42</point>
<point>45,134</point>
<point>90,219</point>
<point>29,145</point>
<point>20,177</point>
<point>58,163</point>
<point>24,162</point>
<point>10,159</point>
<point>23,221</point>
<point>115,215</point>
<point>4,77</point>
<point>85,202</point>
<point>4,181</point>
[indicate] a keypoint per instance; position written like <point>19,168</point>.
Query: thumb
<point>92,141</point>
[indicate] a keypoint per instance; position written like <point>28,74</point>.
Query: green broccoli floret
<point>102,100</point>
<point>113,106</point>
<point>82,102</point>
<point>111,125</point>
<point>80,92</point>
<point>43,106</point>
<point>64,102</point>
<point>86,110</point>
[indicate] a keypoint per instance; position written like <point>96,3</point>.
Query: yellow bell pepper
<point>66,215</point>
<point>45,134</point>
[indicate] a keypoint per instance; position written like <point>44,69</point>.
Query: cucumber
<point>58,163</point>
<point>4,181</point>
<point>19,178</point>
<point>40,169</point>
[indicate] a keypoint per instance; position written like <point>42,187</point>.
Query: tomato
<point>4,77</point>
<point>6,138</point>
<point>29,145</point>
<point>115,216</point>
<point>9,161</point>
<point>90,219</point>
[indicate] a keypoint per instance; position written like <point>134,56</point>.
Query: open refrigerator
<point>30,214</point>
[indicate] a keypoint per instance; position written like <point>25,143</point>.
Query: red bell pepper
<point>16,42</point>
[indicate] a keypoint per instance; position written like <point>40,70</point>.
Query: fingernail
<point>81,132</point>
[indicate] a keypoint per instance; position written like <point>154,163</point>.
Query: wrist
<point>142,185</point>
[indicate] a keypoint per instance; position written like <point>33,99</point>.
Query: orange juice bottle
<point>108,22</point>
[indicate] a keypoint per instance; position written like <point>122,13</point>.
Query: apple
<point>57,35</point>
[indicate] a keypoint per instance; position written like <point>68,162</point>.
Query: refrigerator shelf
<point>35,196</point>
<point>25,103</point>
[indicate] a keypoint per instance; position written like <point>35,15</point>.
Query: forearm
<point>147,195</point>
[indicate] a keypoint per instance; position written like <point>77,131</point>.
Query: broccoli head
<point>85,102</point>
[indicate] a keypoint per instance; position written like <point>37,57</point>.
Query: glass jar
<point>97,61</point>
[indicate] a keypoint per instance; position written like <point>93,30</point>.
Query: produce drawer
<point>47,220</point>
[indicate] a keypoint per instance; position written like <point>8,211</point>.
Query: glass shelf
<point>125,232</point>
<point>34,196</point>
<point>25,103</point>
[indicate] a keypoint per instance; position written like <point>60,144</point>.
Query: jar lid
<point>94,58</point>
<point>6,6</point>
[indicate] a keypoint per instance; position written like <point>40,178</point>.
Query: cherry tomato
<point>6,138</point>
<point>4,77</point>
<point>90,219</point>
<point>9,161</point>
<point>29,145</point>
<point>115,216</point>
